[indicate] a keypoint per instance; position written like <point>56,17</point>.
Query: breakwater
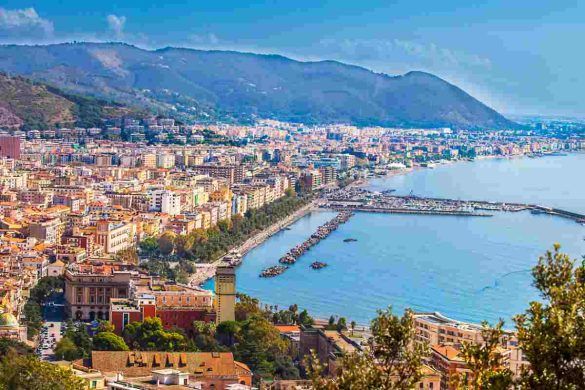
<point>321,233</point>
<point>410,211</point>
<point>359,199</point>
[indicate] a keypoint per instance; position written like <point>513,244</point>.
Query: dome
<point>8,320</point>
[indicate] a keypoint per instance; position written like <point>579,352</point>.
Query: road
<point>52,329</point>
<point>50,335</point>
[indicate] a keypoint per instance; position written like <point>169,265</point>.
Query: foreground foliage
<point>551,333</point>
<point>393,361</point>
<point>485,362</point>
<point>28,372</point>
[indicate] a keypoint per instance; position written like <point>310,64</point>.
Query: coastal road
<point>208,272</point>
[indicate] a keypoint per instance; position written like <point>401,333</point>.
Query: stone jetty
<point>322,232</point>
<point>273,271</point>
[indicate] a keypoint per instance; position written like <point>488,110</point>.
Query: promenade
<point>207,271</point>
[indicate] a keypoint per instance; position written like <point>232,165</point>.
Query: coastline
<point>207,271</point>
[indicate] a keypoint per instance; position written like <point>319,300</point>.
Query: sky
<point>519,57</point>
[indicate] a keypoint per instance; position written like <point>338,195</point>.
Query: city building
<point>10,147</point>
<point>213,370</point>
<point>225,294</point>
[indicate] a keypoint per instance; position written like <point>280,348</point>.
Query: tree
<point>105,326</point>
<point>128,255</point>
<point>341,324</point>
<point>226,332</point>
<point>394,360</point>
<point>331,323</point>
<point>8,346</point>
<point>246,307</point>
<point>149,245</point>
<point>259,345</point>
<point>67,350</point>
<point>149,335</point>
<point>77,333</point>
<point>27,372</point>
<point>305,319</point>
<point>352,325</point>
<point>108,341</point>
<point>485,362</point>
<point>166,243</point>
<point>551,333</point>
<point>44,289</point>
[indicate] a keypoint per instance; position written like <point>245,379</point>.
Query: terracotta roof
<point>141,363</point>
<point>447,351</point>
<point>288,328</point>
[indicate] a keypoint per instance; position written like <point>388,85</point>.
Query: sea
<point>467,268</point>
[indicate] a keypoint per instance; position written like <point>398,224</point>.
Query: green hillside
<point>30,105</point>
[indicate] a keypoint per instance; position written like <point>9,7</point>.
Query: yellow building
<point>225,294</point>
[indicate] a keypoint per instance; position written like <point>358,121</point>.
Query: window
<point>93,384</point>
<point>125,320</point>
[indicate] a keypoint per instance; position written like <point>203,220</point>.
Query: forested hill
<point>221,85</point>
<point>32,105</point>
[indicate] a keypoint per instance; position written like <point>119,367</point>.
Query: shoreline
<point>207,271</point>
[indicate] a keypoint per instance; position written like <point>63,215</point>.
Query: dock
<point>359,199</point>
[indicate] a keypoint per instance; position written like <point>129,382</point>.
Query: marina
<point>360,199</point>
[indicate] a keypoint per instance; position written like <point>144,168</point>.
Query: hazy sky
<point>521,57</point>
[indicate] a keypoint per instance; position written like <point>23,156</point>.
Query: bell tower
<point>225,294</point>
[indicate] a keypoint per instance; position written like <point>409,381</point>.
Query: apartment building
<point>47,230</point>
<point>114,236</point>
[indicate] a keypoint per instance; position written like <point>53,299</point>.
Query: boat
<point>234,258</point>
<point>350,240</point>
<point>318,265</point>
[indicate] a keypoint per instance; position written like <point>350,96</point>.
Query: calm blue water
<point>471,269</point>
<point>553,181</point>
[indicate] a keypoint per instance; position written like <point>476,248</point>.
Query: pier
<point>359,199</point>
<point>579,218</point>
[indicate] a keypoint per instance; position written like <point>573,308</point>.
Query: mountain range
<point>235,86</point>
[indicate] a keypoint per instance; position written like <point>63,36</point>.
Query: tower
<point>225,294</point>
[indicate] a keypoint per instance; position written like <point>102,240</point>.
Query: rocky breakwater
<point>322,232</point>
<point>318,265</point>
<point>273,271</point>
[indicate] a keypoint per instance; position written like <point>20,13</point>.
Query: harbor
<point>360,199</point>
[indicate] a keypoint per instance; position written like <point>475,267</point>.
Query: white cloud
<point>426,54</point>
<point>24,23</point>
<point>204,39</point>
<point>116,25</point>
<point>447,56</point>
